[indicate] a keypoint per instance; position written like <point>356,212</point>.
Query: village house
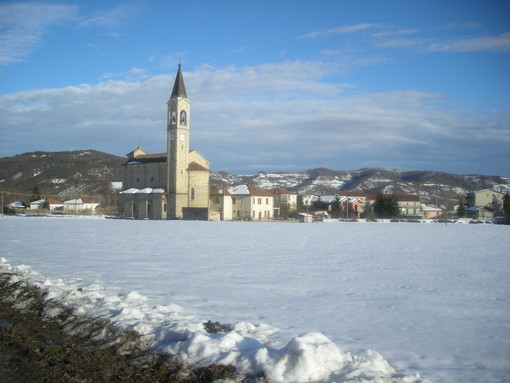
<point>17,205</point>
<point>243,202</point>
<point>483,197</point>
<point>171,185</point>
<point>427,211</point>
<point>479,212</point>
<point>285,202</point>
<point>80,205</point>
<point>352,207</point>
<point>353,203</point>
<point>52,204</point>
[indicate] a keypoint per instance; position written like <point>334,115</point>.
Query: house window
<point>233,201</point>
<point>137,180</point>
<point>253,213</point>
<point>267,201</point>
<point>192,194</point>
<point>260,201</point>
<point>183,117</point>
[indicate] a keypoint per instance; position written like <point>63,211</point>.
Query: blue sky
<point>274,85</point>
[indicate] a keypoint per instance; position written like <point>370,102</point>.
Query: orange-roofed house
<point>285,202</point>
<point>243,203</point>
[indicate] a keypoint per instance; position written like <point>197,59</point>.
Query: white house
<point>80,204</point>
<point>427,211</point>
<point>243,202</point>
<point>53,204</point>
<point>285,202</point>
<point>479,212</point>
<point>483,197</point>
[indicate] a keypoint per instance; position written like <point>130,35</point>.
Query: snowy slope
<point>307,302</point>
<point>431,186</point>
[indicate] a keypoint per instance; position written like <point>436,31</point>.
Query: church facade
<point>171,185</point>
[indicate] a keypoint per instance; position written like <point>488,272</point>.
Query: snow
<point>16,176</point>
<point>239,190</point>
<point>333,302</point>
<point>117,185</point>
<point>144,191</point>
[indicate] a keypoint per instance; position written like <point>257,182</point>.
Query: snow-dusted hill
<point>61,174</point>
<point>90,172</point>
<point>447,188</point>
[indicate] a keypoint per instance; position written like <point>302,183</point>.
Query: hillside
<point>432,186</point>
<point>61,174</point>
<point>90,173</point>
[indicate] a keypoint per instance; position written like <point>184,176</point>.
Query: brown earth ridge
<point>70,349</point>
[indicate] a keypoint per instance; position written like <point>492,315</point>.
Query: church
<point>171,185</point>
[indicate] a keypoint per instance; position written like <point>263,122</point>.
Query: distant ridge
<point>90,172</point>
<point>432,187</point>
<point>61,174</point>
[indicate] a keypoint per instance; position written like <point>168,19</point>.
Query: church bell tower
<point>178,124</point>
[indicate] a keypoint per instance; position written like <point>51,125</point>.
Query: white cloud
<point>25,24</point>
<point>134,74</point>
<point>111,18</point>
<point>267,117</point>
<point>499,43</point>
<point>345,29</point>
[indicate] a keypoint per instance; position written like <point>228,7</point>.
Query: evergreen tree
<point>368,210</point>
<point>497,207</point>
<point>506,206</point>
<point>386,207</point>
<point>36,194</point>
<point>461,210</point>
<point>319,205</point>
<point>336,208</point>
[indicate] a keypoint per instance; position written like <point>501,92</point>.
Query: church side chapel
<point>171,185</point>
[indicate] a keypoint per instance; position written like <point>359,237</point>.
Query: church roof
<point>193,166</point>
<point>146,158</point>
<point>179,89</point>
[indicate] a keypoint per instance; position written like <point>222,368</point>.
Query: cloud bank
<point>262,118</point>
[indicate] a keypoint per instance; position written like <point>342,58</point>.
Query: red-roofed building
<point>244,203</point>
<point>285,202</point>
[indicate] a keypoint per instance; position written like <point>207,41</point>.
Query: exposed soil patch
<point>35,350</point>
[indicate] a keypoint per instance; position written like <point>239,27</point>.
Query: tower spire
<point>179,89</point>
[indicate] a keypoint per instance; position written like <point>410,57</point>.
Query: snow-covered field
<point>426,299</point>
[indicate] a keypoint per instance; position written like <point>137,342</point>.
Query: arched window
<point>173,119</point>
<point>183,117</point>
<point>192,194</point>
